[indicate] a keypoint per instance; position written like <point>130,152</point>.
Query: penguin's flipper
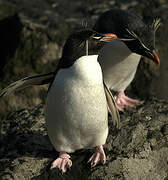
<point>40,79</point>
<point>112,106</point>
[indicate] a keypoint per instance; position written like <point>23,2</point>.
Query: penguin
<point>76,104</point>
<point>120,58</point>
<point>77,100</point>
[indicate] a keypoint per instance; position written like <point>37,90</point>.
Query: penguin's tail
<point>40,79</point>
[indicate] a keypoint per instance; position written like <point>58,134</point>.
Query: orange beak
<point>109,37</point>
<point>156,58</point>
<point>153,56</point>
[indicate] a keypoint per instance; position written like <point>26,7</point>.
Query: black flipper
<point>27,82</point>
<point>112,106</point>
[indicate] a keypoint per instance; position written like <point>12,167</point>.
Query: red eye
<point>95,42</point>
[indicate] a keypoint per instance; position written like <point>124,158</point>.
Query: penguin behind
<point>119,59</point>
<point>76,105</point>
<point>77,101</point>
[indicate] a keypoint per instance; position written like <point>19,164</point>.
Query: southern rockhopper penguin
<point>77,100</point>
<point>76,105</point>
<point>120,58</point>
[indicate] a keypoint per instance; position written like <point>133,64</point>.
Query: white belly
<point>118,64</point>
<point>76,109</point>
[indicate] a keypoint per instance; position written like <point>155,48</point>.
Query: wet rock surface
<point>139,150</point>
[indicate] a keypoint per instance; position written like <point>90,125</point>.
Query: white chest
<point>118,64</point>
<point>85,70</point>
<point>76,109</point>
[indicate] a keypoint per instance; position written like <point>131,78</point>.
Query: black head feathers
<point>138,36</point>
<point>75,46</point>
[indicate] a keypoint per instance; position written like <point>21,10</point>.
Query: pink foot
<point>122,101</point>
<point>98,156</point>
<point>62,162</point>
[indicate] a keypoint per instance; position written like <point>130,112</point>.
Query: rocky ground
<point>32,34</point>
<point>138,151</point>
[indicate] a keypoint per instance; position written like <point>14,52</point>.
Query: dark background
<point>32,34</point>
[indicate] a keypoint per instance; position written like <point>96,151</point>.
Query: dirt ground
<point>139,150</point>
<point>39,28</point>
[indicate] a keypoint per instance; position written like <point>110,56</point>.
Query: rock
<point>139,150</point>
<point>38,35</point>
<point>26,49</point>
<point>152,167</point>
<point>10,30</point>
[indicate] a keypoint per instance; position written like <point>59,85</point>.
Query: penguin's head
<point>76,44</point>
<point>141,40</point>
<point>138,36</point>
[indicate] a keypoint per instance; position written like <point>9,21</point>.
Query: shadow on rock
<point>79,170</point>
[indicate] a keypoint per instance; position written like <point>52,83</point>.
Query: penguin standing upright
<point>119,59</point>
<point>77,100</point>
<point>76,105</point>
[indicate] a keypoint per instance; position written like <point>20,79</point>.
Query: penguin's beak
<point>104,37</point>
<point>108,37</point>
<point>153,56</point>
